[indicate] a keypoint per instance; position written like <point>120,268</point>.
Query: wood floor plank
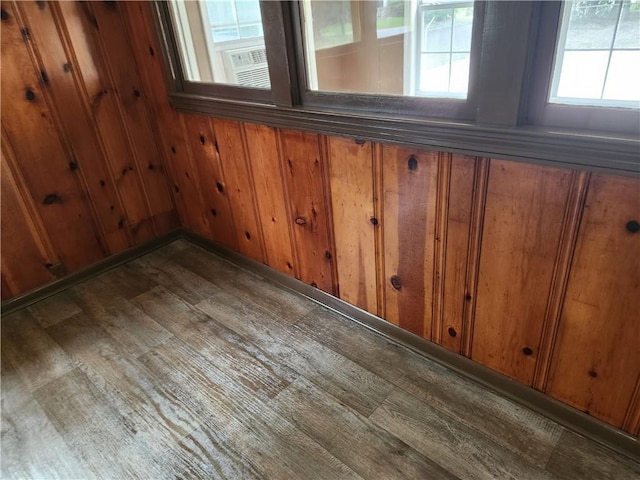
<point>577,457</point>
<point>282,303</point>
<point>346,380</point>
<point>276,448</point>
<point>54,309</point>
<point>369,450</point>
<point>132,328</point>
<point>182,282</point>
<point>457,448</point>
<point>31,446</point>
<point>103,438</point>
<point>510,425</point>
<point>147,406</point>
<point>33,353</point>
<point>228,350</point>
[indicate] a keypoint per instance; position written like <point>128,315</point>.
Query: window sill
<point>583,150</point>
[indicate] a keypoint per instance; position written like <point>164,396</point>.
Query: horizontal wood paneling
<point>72,190</point>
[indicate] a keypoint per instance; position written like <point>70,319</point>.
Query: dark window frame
<point>501,126</point>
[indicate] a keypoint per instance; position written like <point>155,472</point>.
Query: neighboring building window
<point>598,55</point>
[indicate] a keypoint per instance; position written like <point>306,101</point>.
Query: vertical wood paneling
<point>230,144</point>
<point>206,160</point>
<point>354,221</point>
<point>73,193</point>
<point>146,50</point>
<point>303,168</point>
<point>410,193</point>
<point>87,162</point>
<point>456,244</point>
<point>116,51</point>
<point>43,162</point>
<point>25,259</point>
<point>523,219</point>
<point>263,158</point>
<point>97,91</point>
<point>596,359</point>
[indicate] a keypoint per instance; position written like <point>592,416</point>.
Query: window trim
<point>500,128</point>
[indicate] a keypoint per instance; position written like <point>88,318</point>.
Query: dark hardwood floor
<point>180,365</point>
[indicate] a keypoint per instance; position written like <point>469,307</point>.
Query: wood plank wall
<point>82,177</point>
<point>529,270</point>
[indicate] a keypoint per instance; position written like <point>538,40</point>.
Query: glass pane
<point>391,49</point>
<point>628,35</point>
<point>623,79</point>
<point>437,30</point>
<point>434,74</point>
<point>583,74</point>
<point>248,11</point>
<point>459,82</point>
<point>462,23</point>
<point>215,49</point>
<point>592,24</point>
<point>332,23</point>
<point>221,12</point>
<point>251,31</point>
<point>225,34</point>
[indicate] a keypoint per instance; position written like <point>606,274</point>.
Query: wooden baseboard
<point>575,420</point>
<point>40,293</point>
<point>567,416</point>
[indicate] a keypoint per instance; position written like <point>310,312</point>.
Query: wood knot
<point>51,198</point>
<point>452,332</point>
<point>136,92</point>
<point>248,235</point>
<point>214,212</point>
<point>396,282</point>
<point>41,4</point>
<point>412,163</point>
<point>152,51</point>
<point>527,351</point>
<point>301,221</point>
<point>73,165</point>
<point>593,374</point>
<point>219,187</point>
<point>202,139</point>
<point>633,226</point>
<point>4,15</point>
<point>314,284</point>
<point>374,221</point>
<point>327,255</point>
<point>359,141</point>
<point>30,95</point>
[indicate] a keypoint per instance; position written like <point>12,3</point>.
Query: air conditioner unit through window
<point>247,67</point>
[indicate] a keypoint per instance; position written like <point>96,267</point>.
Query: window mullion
<point>279,44</point>
<point>505,50</point>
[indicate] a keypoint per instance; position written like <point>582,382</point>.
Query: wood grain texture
<point>43,163</point>
<point>354,221</point>
<point>68,149</point>
<point>206,159</point>
<point>303,167</point>
<point>253,382</point>
<point>522,223</point>
<point>410,192</point>
<point>598,335</point>
<point>116,52</point>
<point>458,228</point>
<point>21,237</point>
<point>87,161</point>
<point>231,147</point>
<point>264,162</point>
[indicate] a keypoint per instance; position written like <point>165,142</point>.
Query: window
<point>221,42</point>
<point>598,56</point>
<point>587,66</point>
<point>491,77</point>
<point>389,47</point>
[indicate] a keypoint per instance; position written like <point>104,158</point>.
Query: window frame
<point>413,107</point>
<point>542,112</point>
<point>502,124</point>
